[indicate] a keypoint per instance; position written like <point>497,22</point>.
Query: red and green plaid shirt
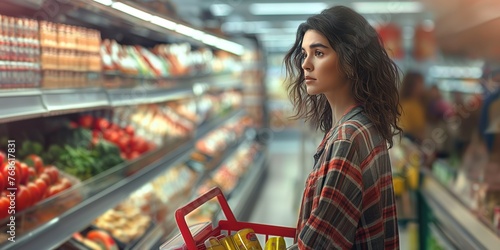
<point>348,201</point>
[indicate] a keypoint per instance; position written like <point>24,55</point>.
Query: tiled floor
<point>279,201</point>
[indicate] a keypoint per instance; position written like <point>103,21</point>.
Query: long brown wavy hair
<point>373,75</point>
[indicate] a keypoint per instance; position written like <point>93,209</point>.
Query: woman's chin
<point>311,91</point>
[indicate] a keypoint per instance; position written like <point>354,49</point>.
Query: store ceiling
<point>275,25</point>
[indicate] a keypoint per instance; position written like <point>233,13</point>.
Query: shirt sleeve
<point>334,221</point>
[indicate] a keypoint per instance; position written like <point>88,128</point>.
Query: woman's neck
<point>340,102</point>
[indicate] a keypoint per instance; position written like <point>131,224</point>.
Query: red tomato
<point>46,178</point>
<point>114,127</point>
<point>2,157</point>
<point>36,195</point>
<point>4,207</point>
<point>65,183</point>
<point>36,162</point>
<point>53,172</point>
<point>55,190</point>
<point>86,121</point>
<point>23,198</point>
<point>123,142</point>
<point>31,174</point>
<point>101,124</point>
<point>134,155</point>
<point>129,130</point>
<point>25,171</point>
<point>42,187</point>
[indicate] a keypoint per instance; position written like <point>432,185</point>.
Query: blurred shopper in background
<point>342,80</point>
<point>413,116</point>
<point>489,123</point>
<point>437,111</point>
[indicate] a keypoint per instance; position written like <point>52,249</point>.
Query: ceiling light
<point>104,2</point>
<point>188,31</point>
<point>287,8</point>
<point>162,22</point>
<point>132,11</point>
<point>387,7</point>
<point>210,40</point>
<point>221,9</point>
<point>231,47</point>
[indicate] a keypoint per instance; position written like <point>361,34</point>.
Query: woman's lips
<point>309,80</point>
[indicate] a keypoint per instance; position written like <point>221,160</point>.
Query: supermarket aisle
<point>280,197</point>
<point>278,202</point>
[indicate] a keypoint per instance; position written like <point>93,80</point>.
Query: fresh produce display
<point>161,61</point>
<point>218,140</point>
<point>125,222</point>
<point>176,181</point>
<point>227,177</point>
<point>156,123</point>
<point>96,240</point>
<point>34,181</point>
<point>214,104</point>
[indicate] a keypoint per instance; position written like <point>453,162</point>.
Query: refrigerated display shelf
<point>21,104</point>
<point>212,124</point>
<point>59,229</point>
<point>144,95</point>
<point>459,222</point>
<point>243,195</point>
<point>217,162</point>
<point>32,103</point>
<point>73,100</point>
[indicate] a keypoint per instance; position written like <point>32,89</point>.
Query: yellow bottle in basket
<point>246,239</point>
<point>228,243</point>
<point>275,243</point>
<point>213,243</point>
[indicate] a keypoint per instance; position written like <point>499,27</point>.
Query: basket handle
<point>180,214</point>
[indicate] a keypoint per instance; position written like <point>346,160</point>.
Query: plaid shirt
<point>348,200</point>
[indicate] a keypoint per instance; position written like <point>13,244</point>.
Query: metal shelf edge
<point>459,219</point>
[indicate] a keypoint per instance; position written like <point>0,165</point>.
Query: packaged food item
<point>213,243</point>
<point>246,239</point>
<point>275,243</point>
<point>228,243</point>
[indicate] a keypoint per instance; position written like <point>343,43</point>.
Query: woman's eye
<point>319,53</point>
<point>303,55</point>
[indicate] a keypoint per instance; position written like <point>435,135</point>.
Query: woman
<point>413,115</point>
<point>341,79</point>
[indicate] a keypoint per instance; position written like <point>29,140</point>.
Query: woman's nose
<point>307,65</point>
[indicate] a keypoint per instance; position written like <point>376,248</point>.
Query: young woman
<point>342,80</point>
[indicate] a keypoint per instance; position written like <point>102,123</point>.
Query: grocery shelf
<point>21,104</point>
<point>32,103</point>
<point>151,238</point>
<point>217,162</point>
<point>240,198</point>
<point>59,229</point>
<point>211,125</point>
<point>72,100</point>
<point>458,221</point>
<point>135,96</point>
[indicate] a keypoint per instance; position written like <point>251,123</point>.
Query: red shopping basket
<point>194,240</point>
